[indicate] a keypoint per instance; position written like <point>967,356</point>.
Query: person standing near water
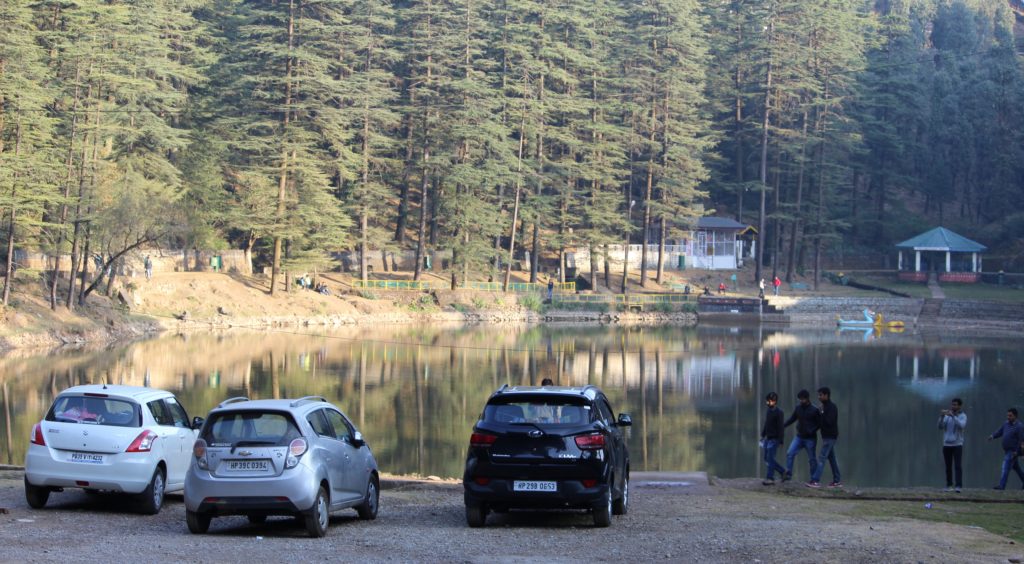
<point>808,420</point>
<point>772,435</point>
<point>829,436</point>
<point>952,423</point>
<point>1012,433</point>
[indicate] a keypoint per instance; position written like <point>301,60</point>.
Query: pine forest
<point>294,130</point>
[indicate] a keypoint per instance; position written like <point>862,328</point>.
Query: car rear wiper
<point>251,443</point>
<point>530,423</point>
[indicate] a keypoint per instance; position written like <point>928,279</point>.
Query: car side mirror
<point>357,440</point>
<point>197,422</point>
<point>625,420</point>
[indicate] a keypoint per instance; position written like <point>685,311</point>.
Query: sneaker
<point>768,483</point>
<point>813,485</point>
<point>949,488</point>
<point>836,485</point>
<point>957,490</point>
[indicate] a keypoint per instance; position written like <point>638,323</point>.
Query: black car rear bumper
<point>499,493</point>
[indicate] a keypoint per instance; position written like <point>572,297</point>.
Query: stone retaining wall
<point>818,310</point>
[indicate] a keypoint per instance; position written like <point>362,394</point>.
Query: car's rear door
<point>178,461</point>
<point>354,471</point>
<point>332,451</point>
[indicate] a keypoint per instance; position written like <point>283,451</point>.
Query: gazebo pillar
<point>899,260</point>
<point>948,261</point>
<point>917,261</point>
<point>974,262</point>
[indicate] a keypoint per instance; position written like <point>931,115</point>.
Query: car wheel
<point>318,516</point>
<point>36,496</point>
<point>368,509</point>
<point>603,510</point>
<point>152,497</point>
<point>476,515</point>
<point>257,519</point>
<point>621,506</point>
<point>198,523</point>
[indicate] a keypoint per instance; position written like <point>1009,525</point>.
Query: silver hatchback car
<point>298,457</point>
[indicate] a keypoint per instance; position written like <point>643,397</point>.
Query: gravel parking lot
<point>672,517</point>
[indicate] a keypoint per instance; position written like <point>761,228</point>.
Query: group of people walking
<point>953,422</point>
<point>823,419</point>
<point>810,421</point>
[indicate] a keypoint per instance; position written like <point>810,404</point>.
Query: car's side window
<point>177,413</point>
<point>338,423</point>
<point>161,414</point>
<point>606,411</point>
<point>319,423</point>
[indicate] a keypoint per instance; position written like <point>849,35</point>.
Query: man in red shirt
<point>776,283</point>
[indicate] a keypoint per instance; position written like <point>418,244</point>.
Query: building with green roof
<point>953,257</point>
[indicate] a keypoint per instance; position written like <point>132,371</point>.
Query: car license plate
<point>248,465</point>
<point>531,486</point>
<point>86,458</point>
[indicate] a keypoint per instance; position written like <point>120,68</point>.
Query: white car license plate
<point>86,458</point>
<point>248,465</point>
<point>531,486</point>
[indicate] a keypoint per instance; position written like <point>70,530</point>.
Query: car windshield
<point>92,410</point>
<point>564,410</point>
<point>253,428</point>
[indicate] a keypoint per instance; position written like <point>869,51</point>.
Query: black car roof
<point>589,391</point>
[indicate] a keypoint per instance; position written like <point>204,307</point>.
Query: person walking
<point>1012,433</point>
<point>808,420</point>
<point>952,422</point>
<point>772,434</point>
<point>551,289</point>
<point>829,436</point>
<point>775,284</point>
<point>148,265</point>
<point>760,288</point>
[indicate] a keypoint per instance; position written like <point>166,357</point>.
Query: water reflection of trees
<point>415,392</point>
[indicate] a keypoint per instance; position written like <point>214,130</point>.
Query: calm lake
<point>695,394</point>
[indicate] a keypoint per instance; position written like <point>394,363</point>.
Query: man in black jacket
<point>808,420</point>
<point>771,437</point>
<point>829,436</point>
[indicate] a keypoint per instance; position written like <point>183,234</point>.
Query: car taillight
<point>296,449</point>
<point>589,483</point>
<point>482,440</point>
<point>590,442</point>
<point>143,443</point>
<point>199,451</point>
<point>482,480</point>
<point>37,435</point>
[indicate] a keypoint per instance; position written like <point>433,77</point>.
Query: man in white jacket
<point>952,422</point>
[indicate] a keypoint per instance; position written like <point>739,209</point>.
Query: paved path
<point>933,286</point>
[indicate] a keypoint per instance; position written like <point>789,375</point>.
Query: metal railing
<point>419,286</point>
<point>621,299</point>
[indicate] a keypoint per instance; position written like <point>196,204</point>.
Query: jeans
<point>1010,461</point>
<point>770,446</point>
<point>828,452</point>
<point>954,456</point>
<point>796,446</point>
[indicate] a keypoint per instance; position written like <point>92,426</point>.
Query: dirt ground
<point>672,517</point>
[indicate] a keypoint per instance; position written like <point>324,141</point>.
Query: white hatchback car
<point>123,439</point>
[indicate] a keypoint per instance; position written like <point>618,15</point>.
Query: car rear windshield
<point>95,410</point>
<point>255,428</point>
<point>565,410</point>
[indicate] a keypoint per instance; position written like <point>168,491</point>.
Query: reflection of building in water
<point>937,373</point>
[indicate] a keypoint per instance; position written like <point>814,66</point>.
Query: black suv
<point>547,447</point>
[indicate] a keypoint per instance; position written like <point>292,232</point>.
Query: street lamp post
<point>625,262</point>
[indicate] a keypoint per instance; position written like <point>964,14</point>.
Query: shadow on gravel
<point>275,527</point>
<point>102,502</point>
<point>541,519</point>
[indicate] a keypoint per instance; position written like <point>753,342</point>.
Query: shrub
<point>531,302</point>
<point>479,303</point>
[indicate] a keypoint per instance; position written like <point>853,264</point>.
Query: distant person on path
<point>772,435</point>
<point>1012,433</point>
<point>148,264</point>
<point>776,283</point>
<point>829,436</point>
<point>808,420</point>
<point>551,289</point>
<point>760,288</point>
<point>721,287</point>
<point>952,422</point>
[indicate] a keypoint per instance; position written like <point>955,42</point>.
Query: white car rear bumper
<point>119,472</point>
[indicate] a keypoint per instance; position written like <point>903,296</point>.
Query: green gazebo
<point>953,257</point>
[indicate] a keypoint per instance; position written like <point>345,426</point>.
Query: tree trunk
<point>12,217</point>
<point>820,220</point>
<point>403,202</point>
<point>764,159</point>
<point>647,193</point>
<point>283,179</point>
<point>515,207</point>
<point>794,228</point>
<point>424,201</point>
<point>70,165</point>
<point>535,244</point>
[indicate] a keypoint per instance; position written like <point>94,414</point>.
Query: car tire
<point>36,496</point>
<point>476,515</point>
<point>256,519</point>
<point>368,509</point>
<point>319,515</point>
<point>152,498</point>
<point>621,506</point>
<point>603,510</point>
<point>198,523</point>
